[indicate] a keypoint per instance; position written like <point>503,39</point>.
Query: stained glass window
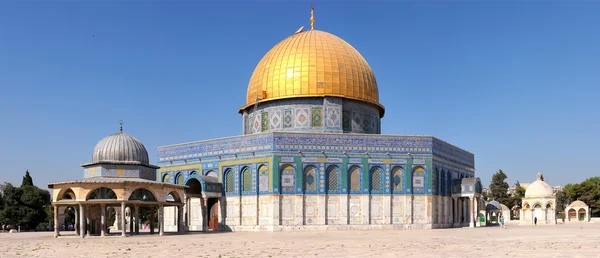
<point>333,178</point>
<point>229,183</point>
<point>288,183</point>
<point>247,177</point>
<point>310,179</point>
<point>166,178</point>
<point>375,179</point>
<point>397,178</point>
<point>180,179</point>
<point>354,179</point>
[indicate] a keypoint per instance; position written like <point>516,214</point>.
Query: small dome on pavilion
<point>120,148</point>
<point>539,188</point>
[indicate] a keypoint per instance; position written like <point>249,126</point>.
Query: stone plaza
<point>562,240</point>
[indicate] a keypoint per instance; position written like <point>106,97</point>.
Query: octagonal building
<point>311,155</point>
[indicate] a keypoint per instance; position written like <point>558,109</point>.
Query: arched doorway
<point>581,213</point>
<point>538,212</point>
<point>572,215</point>
<point>194,205</point>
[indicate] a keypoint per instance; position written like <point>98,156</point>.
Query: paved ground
<point>564,240</point>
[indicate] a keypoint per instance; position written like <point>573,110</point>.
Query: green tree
<point>561,203</point>
<point>587,191</point>
<point>499,188</point>
<point>519,190</point>
<point>27,180</point>
<point>25,206</point>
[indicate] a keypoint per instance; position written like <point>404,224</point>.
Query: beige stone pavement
<point>563,240</point>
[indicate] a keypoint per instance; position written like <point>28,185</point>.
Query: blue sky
<point>516,83</point>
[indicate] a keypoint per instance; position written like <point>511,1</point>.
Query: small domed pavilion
<point>577,211</point>
<point>539,202</point>
<point>119,175</point>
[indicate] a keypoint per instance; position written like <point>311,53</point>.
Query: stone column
<point>81,220</point>
<point>204,206</point>
<point>103,220</point>
<point>187,214</point>
<point>471,209</point>
<point>123,222</point>
<point>131,230</point>
<point>454,209</point>
<point>161,220</point>
<point>180,219</point>
<point>137,219</point>
<point>76,221</point>
<point>459,211</point>
<point>56,226</point>
<point>152,211</point>
<point>88,227</point>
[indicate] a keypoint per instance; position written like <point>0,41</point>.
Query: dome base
<point>313,114</point>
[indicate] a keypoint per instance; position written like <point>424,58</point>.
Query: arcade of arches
<point>102,208</point>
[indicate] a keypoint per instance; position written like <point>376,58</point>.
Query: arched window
<point>288,182</point>
<point>418,182</point>
<point>211,173</point>
<point>179,178</point>
<point>263,178</point>
<point>247,180</point>
<point>375,179</point>
<point>142,195</point>
<point>449,182</point>
<point>443,183</point>
<point>434,181</point>
<point>166,178</point>
<point>102,193</point>
<point>229,181</point>
<point>354,176</point>
<point>310,178</point>
<point>333,181</point>
<point>397,175</point>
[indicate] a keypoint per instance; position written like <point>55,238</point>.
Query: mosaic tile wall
<point>120,171</point>
<point>313,115</point>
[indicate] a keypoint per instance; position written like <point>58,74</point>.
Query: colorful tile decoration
<point>265,121</point>
<point>288,118</point>
<point>317,117</point>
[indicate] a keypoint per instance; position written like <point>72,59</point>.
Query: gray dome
<point>120,148</point>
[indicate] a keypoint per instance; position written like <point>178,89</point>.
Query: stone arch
<point>103,193</point>
<point>354,179</point>
<point>287,174</point>
<point>571,214</point>
<point>375,184</point>
<point>194,186</point>
<point>581,214</point>
<point>310,179</point>
<point>397,179</point>
<point>66,194</point>
<point>142,194</point>
<point>173,196</point>
<point>229,181</point>
<point>333,179</point>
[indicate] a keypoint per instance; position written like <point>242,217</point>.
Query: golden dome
<point>313,64</point>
